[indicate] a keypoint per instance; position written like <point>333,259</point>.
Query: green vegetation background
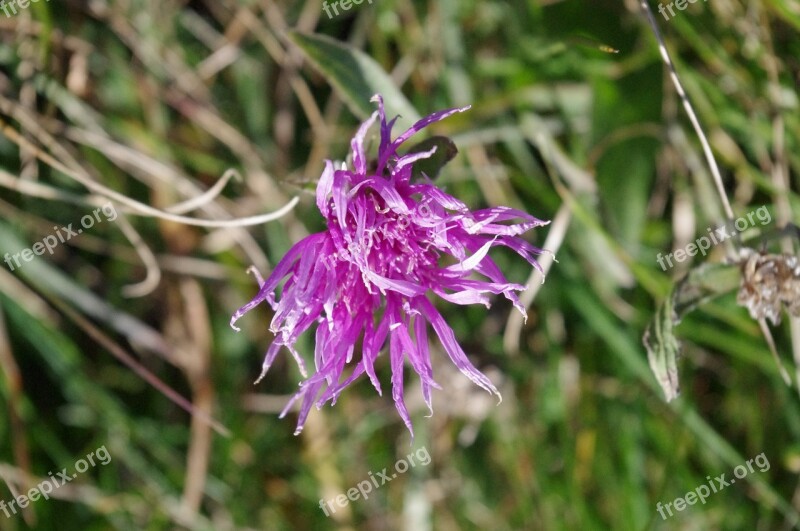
<point>157,99</point>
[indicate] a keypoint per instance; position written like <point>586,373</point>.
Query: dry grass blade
<point>135,207</point>
<point>118,352</point>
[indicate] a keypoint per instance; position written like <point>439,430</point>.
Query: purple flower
<point>370,274</point>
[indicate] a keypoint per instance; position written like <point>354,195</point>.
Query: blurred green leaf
<point>355,76</point>
<point>446,150</point>
<point>703,283</point>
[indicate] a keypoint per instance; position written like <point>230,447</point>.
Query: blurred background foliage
<point>157,99</point>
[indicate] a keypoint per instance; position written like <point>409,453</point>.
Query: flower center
<point>390,244</point>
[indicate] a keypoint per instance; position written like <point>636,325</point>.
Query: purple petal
<point>396,358</point>
<point>502,213</point>
<point>425,122</point>
<point>421,335</point>
<point>269,358</point>
<point>340,179</point>
<point>386,127</point>
<point>389,194</point>
<point>373,343</point>
<point>524,249</point>
<point>463,298</point>
<point>277,274</point>
<point>357,145</point>
<point>308,393</point>
<point>436,194</point>
<point>472,262</point>
<point>407,160</point>
<point>324,186</point>
<point>404,287</point>
<point>388,152</point>
<point>452,347</point>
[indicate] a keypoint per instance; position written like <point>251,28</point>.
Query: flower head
<point>369,276</point>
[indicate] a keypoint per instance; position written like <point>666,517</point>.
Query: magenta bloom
<point>369,276</point>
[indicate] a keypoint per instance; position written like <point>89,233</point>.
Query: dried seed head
<point>769,281</point>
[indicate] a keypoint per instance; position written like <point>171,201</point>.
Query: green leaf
<point>446,150</point>
<point>700,285</point>
<point>704,283</point>
<point>663,349</point>
<point>355,76</point>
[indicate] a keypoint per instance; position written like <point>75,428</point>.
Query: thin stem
<point>712,161</point>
